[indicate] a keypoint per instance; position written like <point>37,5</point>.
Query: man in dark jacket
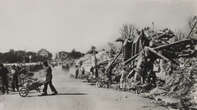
<point>15,79</point>
<point>48,81</point>
<point>4,78</point>
<point>76,71</point>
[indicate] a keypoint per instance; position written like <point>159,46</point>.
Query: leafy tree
<point>21,56</point>
<point>75,54</point>
<point>128,31</point>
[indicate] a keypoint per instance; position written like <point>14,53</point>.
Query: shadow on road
<point>72,94</point>
<point>92,84</point>
<point>85,81</point>
<point>59,94</point>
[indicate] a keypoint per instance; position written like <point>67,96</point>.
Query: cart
<point>30,84</point>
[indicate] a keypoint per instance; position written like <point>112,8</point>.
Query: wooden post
<point>95,63</point>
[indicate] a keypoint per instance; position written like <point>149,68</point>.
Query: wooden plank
<point>188,36</point>
<point>114,59</point>
<point>130,59</point>
<point>162,56</point>
<point>173,44</point>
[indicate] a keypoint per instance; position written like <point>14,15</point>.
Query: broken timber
<point>116,57</point>
<point>178,43</point>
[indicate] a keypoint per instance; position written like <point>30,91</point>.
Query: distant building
<point>44,53</point>
<point>62,55</point>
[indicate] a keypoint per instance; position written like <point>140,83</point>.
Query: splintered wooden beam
<point>158,54</point>
<point>114,59</point>
<point>130,59</point>
<point>177,45</point>
<point>185,41</point>
<point>189,35</point>
<point>154,50</point>
<point>162,56</point>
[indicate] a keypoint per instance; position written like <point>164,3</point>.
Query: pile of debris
<point>178,90</point>
<point>192,95</point>
<point>143,51</point>
<point>179,83</point>
<point>179,80</point>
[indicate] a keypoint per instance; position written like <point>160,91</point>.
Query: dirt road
<point>75,95</point>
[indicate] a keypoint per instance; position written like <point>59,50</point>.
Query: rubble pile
<point>173,84</point>
<point>179,89</point>
<point>178,84</point>
<point>193,90</point>
<point>88,59</point>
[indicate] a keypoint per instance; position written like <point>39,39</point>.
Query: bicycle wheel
<point>23,92</point>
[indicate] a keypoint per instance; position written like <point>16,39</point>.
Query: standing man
<point>48,81</point>
<point>82,70</point>
<point>15,79</point>
<point>123,79</point>
<point>76,71</point>
<point>4,77</point>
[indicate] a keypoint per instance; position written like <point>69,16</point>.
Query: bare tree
<point>127,31</point>
<point>192,21</point>
<point>193,26</point>
<point>179,36</point>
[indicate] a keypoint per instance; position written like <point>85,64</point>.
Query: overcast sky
<point>67,24</point>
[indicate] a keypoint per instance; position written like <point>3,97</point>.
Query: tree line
<point>21,56</point>
<point>74,54</point>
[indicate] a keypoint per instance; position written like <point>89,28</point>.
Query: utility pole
<point>95,61</point>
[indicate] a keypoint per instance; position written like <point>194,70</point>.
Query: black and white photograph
<point>98,54</point>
